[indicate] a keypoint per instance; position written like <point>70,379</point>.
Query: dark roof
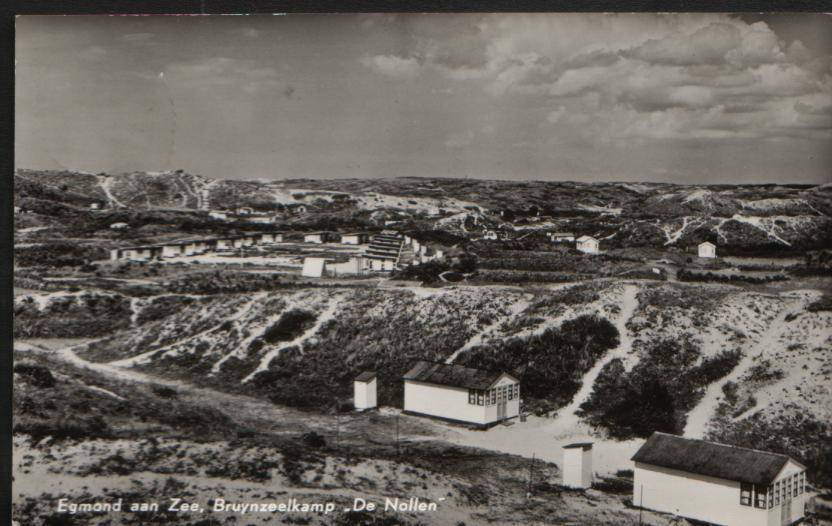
<point>452,375</point>
<point>711,459</point>
<point>579,445</point>
<point>366,376</point>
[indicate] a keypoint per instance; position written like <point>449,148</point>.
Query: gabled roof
<point>711,459</point>
<point>707,243</point>
<point>579,445</point>
<point>366,376</point>
<point>452,375</point>
<point>586,238</point>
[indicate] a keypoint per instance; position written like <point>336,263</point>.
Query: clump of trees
<point>550,365</point>
<point>657,393</point>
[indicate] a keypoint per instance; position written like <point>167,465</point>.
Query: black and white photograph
<point>421,269</point>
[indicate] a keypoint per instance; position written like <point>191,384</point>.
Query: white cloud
<point>392,65</point>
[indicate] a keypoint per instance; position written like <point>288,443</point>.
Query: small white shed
<point>717,483</point>
<point>707,250</point>
<point>587,244</point>
<point>364,391</point>
<point>119,226</point>
<point>354,238</point>
<point>577,465</point>
<point>313,267</point>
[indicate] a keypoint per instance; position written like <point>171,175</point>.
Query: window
<point>789,484</point>
<point>770,497</point>
<point>759,497</point>
<point>516,390</point>
<point>745,494</point>
<point>801,482</point>
<point>511,392</point>
<point>493,396</point>
<point>472,396</point>
<point>796,490</point>
<point>480,397</point>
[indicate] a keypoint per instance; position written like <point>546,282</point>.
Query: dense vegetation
<point>550,365</point>
<point>657,393</point>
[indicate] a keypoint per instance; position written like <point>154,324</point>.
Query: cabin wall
<point>693,496</point>
<point>364,394</point>
<point>442,401</point>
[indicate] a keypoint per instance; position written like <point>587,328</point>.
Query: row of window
<point>770,496</point>
<point>493,396</point>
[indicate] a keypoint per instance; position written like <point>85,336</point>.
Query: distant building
<point>490,235</point>
<point>244,211</point>
<point>707,250</point>
<point>18,210</point>
<point>139,253</point>
<point>384,251</point>
<point>587,244</point>
<point>355,238</point>
<point>562,237</point>
<point>717,483</point>
<point>119,226</point>
<point>172,250</point>
<point>95,206</point>
<point>224,243</point>
<point>271,238</point>
<point>461,394</point>
<point>317,237</point>
<point>217,214</point>
<point>296,208</point>
<point>364,391</point>
<point>577,465</point>
<point>313,267</point>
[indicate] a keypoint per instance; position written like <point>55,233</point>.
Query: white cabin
<point>313,267</point>
<point>717,483</point>
<point>461,394</point>
<point>562,237</point>
<point>707,250</point>
<point>364,391</point>
<point>215,214</point>
<point>354,239</point>
<point>490,235</point>
<point>587,245</point>
<point>577,465</point>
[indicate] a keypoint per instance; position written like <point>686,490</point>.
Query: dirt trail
<point>764,344</point>
<point>515,310</point>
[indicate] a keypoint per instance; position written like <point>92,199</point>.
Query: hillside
<point>784,218</point>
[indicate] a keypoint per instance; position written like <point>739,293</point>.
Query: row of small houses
<point>695,479</point>
<point>191,247</point>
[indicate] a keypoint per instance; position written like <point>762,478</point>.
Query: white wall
<point>707,251</point>
<point>313,267</point>
<point>442,401</point>
<point>350,240</point>
<point>577,467</point>
<point>364,394</point>
<point>694,496</point>
<point>312,239</point>
<point>590,246</point>
<point>512,406</point>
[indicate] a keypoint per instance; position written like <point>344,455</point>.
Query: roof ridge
<point>732,446</point>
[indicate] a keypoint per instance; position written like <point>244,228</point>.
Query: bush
<point>37,375</point>
<point>290,325</point>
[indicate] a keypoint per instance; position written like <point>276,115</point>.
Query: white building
<point>490,235</point>
<point>461,394</point>
<point>577,465</point>
<point>119,226</point>
<point>364,391</point>
<point>707,250</point>
<point>317,237</point>
<point>355,238</point>
<point>217,214</point>
<point>173,250</point>
<point>225,244</point>
<point>313,267</point>
<point>717,483</point>
<point>562,237</point>
<point>95,206</point>
<point>587,244</point>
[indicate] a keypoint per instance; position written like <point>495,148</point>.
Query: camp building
<point>717,483</point>
<point>461,394</point>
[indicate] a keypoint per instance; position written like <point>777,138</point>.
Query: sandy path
<point>764,344</point>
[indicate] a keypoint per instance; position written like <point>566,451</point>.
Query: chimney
<point>577,465</point>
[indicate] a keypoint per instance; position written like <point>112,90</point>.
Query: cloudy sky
<point>592,97</point>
